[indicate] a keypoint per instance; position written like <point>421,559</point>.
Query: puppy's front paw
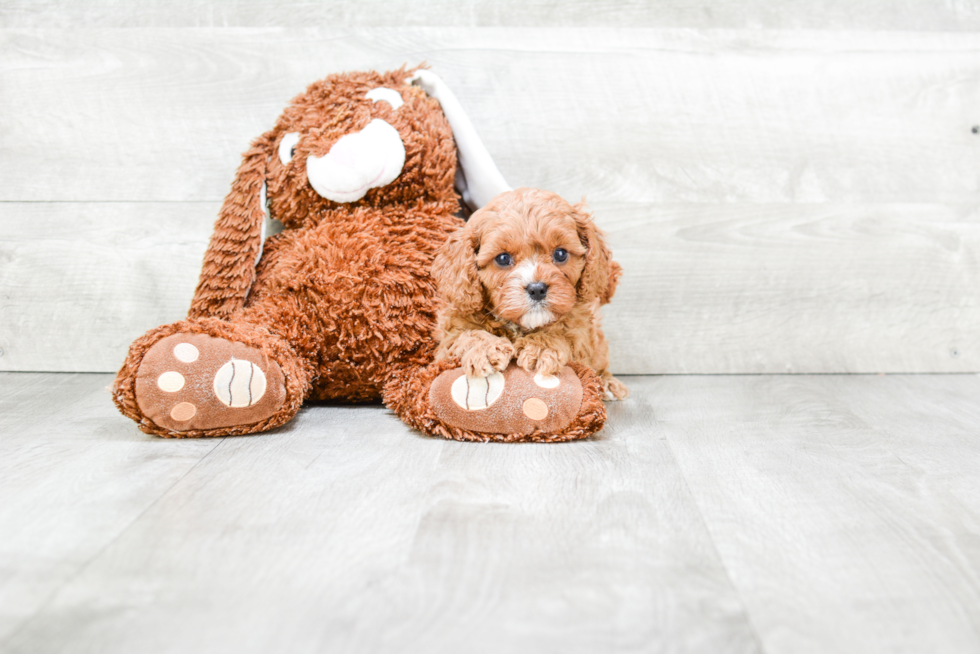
<point>614,389</point>
<point>545,360</point>
<point>486,355</point>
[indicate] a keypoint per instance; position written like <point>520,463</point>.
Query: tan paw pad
<point>546,381</point>
<point>170,381</point>
<point>535,409</point>
<point>186,353</point>
<point>183,412</point>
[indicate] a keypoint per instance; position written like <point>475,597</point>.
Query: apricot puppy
<point>525,277</point>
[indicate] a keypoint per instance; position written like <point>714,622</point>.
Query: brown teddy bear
<point>360,170</point>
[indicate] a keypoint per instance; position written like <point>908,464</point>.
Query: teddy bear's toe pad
<point>199,382</point>
<point>511,402</point>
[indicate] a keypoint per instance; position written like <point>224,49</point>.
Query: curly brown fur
<point>343,300</point>
<point>485,272</point>
<point>346,288</point>
<point>228,270</point>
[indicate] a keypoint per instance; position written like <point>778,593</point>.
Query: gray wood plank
<point>80,281</point>
<point>746,288</point>
<point>844,508</point>
<point>651,115</point>
<point>909,427</point>
<point>74,476</point>
<point>714,514</point>
<point>918,15</point>
<point>707,288</point>
<point>346,532</point>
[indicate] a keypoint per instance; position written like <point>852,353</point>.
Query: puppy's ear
<point>229,262</point>
<point>601,273</point>
<point>455,273</point>
<point>615,272</point>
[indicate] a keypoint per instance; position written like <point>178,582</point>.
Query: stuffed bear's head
<point>350,142</point>
<point>359,139</point>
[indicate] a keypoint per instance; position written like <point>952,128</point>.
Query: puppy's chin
<point>536,317</point>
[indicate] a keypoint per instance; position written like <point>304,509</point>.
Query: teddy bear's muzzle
<point>357,163</point>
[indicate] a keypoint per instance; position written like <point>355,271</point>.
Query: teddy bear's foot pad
<point>198,382</point>
<point>510,402</point>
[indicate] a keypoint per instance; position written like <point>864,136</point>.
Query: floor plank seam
<point>54,593</point>
<point>714,546</point>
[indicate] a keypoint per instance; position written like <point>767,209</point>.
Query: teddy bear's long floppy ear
<point>477,178</point>
<point>455,273</point>
<point>229,262</point>
<point>601,274</point>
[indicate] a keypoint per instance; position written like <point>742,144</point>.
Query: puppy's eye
<point>560,255</point>
<point>503,260</point>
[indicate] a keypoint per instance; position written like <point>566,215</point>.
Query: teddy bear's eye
<point>392,97</point>
<point>560,255</point>
<point>503,259</point>
<point>287,147</point>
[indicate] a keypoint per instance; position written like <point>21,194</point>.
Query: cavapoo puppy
<point>525,277</point>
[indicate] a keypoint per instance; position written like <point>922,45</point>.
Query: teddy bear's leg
<point>510,406</point>
<point>210,377</point>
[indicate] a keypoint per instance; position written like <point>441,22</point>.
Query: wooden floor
<point>713,514</point>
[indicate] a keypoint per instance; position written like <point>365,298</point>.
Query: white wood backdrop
<point>789,189</point>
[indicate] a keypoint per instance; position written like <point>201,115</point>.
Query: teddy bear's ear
<point>601,274</point>
<point>477,178</point>
<point>455,273</point>
<point>229,262</point>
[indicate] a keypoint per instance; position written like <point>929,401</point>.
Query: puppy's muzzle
<point>537,291</point>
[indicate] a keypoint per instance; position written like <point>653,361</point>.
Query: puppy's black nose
<point>537,290</point>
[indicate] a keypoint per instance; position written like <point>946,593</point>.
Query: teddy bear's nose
<point>537,290</point>
<point>344,152</point>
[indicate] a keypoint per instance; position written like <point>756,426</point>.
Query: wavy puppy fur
<point>525,278</point>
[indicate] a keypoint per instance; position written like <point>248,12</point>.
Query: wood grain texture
<point>638,115</point>
<point>917,15</point>
<point>783,201</point>
<point>844,507</point>
<point>73,479</point>
<point>346,532</point>
<point>707,288</point>
<point>776,514</point>
<point>80,281</point>
<point>794,288</point>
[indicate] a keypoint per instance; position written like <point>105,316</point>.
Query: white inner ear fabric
<point>390,96</point>
<point>480,180</point>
